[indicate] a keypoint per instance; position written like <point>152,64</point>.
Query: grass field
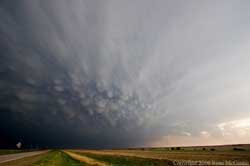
<point>58,158</point>
<point>116,160</point>
<point>220,155</point>
<point>153,158</point>
<point>212,155</point>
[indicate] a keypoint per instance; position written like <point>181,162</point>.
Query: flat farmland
<point>213,155</point>
<point>166,156</point>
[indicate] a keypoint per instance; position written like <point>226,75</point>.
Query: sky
<point>109,74</point>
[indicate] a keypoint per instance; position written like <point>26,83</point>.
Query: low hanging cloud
<point>117,74</point>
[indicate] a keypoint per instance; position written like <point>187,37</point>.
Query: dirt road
<point>11,157</point>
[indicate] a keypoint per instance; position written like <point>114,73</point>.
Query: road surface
<point>11,157</point>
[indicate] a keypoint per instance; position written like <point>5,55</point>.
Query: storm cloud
<point>102,74</point>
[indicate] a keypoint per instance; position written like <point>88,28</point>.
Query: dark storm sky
<point>94,73</point>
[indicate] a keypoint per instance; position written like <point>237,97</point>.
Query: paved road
<point>11,157</point>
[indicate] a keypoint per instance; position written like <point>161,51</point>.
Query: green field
<point>58,158</point>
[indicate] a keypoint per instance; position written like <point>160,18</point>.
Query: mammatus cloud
<point>116,74</point>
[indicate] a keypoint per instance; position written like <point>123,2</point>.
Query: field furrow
<point>85,159</point>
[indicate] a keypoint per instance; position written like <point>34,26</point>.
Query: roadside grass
<point>58,158</point>
<point>127,160</point>
<point>10,151</point>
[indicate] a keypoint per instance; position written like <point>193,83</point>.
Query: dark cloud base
<point>38,113</point>
<point>43,102</point>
